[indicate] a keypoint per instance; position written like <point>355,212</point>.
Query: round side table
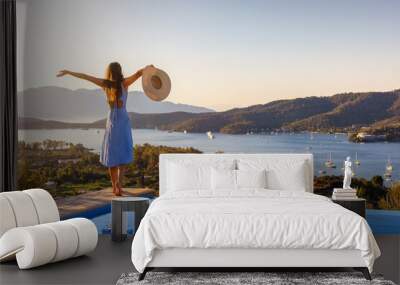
<point>119,206</point>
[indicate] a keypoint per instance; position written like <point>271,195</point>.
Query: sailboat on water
<point>329,163</point>
<point>389,165</point>
<point>389,170</point>
<point>357,162</point>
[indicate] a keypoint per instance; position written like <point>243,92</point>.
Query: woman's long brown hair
<point>113,84</point>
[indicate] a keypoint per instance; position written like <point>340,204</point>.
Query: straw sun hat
<point>156,83</point>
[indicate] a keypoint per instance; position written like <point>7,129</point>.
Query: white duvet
<point>250,219</point>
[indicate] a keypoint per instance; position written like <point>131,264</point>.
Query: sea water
<point>373,156</point>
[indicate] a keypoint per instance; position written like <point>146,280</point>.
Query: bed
<point>245,211</point>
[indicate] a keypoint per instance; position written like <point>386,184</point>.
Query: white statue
<point>348,172</point>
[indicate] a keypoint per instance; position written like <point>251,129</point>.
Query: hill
<point>33,123</point>
<point>84,105</point>
<point>389,129</point>
<point>353,109</point>
<point>341,112</point>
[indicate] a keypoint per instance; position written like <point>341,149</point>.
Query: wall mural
<point>317,78</point>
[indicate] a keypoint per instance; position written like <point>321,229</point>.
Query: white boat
<point>329,163</point>
<point>389,170</point>
<point>389,166</point>
<point>387,176</point>
<point>185,132</point>
<point>210,135</point>
<point>357,162</point>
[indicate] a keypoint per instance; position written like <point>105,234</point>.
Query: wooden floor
<point>103,266</point>
<point>93,199</point>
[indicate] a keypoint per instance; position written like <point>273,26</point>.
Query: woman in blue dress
<point>117,147</point>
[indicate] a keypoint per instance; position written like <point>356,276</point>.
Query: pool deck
<point>94,199</point>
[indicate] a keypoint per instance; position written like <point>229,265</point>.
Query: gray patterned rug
<point>230,278</point>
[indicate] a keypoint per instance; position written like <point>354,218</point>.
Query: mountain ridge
<point>340,112</point>
<point>87,105</point>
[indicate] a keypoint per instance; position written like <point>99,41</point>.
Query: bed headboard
<point>205,158</point>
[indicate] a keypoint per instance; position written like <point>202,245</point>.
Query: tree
<point>392,200</point>
<point>377,180</point>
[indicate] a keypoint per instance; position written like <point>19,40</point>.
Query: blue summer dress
<point>117,147</point>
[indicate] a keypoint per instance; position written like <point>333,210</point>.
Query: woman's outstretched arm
<point>131,79</point>
<point>95,80</point>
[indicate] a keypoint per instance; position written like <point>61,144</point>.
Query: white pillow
<point>288,175</point>
<point>251,178</point>
<point>183,177</point>
<point>223,179</point>
<point>186,174</point>
<point>295,179</point>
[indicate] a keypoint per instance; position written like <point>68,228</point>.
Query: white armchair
<point>31,230</point>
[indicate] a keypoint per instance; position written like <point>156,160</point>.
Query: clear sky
<point>219,54</point>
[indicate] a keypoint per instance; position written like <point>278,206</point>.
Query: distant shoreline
<point>82,126</point>
<point>378,112</point>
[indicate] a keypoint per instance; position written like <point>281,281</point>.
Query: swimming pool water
<point>103,223</point>
<point>384,222</point>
